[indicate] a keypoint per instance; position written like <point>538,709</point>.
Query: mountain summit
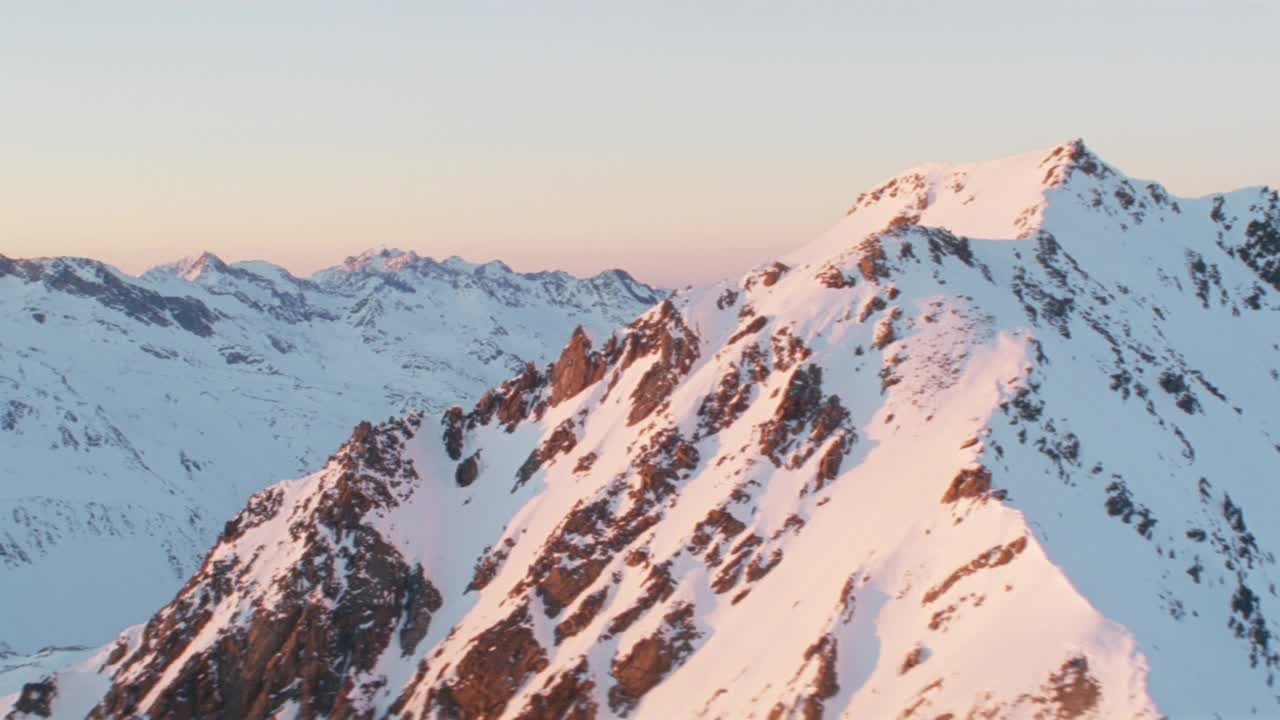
<point>996,445</point>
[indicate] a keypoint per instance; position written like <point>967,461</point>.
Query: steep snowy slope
<point>1001,444</point>
<point>137,414</point>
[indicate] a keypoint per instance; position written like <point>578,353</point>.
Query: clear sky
<point>684,141</point>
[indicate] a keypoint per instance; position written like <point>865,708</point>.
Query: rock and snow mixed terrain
<point>1000,444</point>
<point>138,414</point>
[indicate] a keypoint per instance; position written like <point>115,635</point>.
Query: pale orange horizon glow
<point>684,144</point>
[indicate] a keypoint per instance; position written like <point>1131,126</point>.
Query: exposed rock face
<point>735,392</point>
<point>968,483</point>
<point>992,558</point>
<point>825,683</point>
<point>756,325</point>
<point>333,613</point>
<point>593,534</point>
<point>567,696</point>
<point>512,402</point>
<point>832,277</point>
<point>36,700</point>
<point>577,369</point>
<point>676,347</point>
<point>1072,692</point>
<point>871,260</point>
<point>716,515</point>
<point>650,659</point>
<point>561,441</point>
<point>913,659</point>
<point>499,661</point>
<point>831,461</point>
<point>468,470</point>
<point>453,431</point>
<point>802,407</point>
<point>771,275</point>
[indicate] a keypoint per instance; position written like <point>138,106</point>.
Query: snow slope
<point>997,445</point>
<point>137,414</point>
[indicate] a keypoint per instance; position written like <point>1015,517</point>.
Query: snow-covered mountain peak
<point>191,268</point>
<point>947,461</point>
<point>1012,198</point>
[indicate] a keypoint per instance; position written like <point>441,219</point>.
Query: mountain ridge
<point>904,471</point>
<point>380,258</point>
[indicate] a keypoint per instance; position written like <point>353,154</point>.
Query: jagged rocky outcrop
<point>349,596</point>
<point>578,368</point>
<point>968,455</point>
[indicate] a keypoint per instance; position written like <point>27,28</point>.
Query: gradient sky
<point>683,141</point>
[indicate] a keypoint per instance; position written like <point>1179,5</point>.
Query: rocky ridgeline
<point>348,596</point>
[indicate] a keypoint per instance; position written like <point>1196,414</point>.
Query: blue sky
<point>683,141</point>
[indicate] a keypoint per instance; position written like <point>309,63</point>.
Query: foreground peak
<point>1004,199</point>
<point>1048,166</point>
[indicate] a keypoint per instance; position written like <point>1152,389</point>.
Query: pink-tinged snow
<point>874,521</point>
